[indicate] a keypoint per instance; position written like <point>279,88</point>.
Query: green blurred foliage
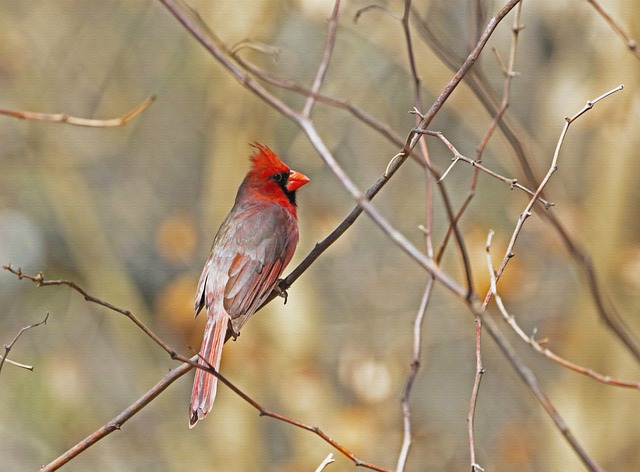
<point>129,213</point>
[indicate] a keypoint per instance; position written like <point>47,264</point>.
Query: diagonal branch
<point>194,24</point>
<point>116,423</point>
<point>529,378</point>
<point>188,364</point>
<point>466,66</point>
<point>480,87</point>
<point>631,43</point>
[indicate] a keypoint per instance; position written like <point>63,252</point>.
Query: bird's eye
<point>280,177</point>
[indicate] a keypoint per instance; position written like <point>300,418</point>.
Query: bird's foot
<point>280,292</point>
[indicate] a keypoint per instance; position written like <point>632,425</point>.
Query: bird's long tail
<point>205,384</point>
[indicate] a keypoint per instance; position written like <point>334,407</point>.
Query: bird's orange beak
<point>296,180</point>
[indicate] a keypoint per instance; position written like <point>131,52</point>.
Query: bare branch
<point>509,73</point>
<point>428,264</point>
<point>327,460</point>
<point>72,120</point>
<point>406,28</point>
<point>271,51</point>
<point>537,345</point>
<point>474,397</point>
<point>466,66</point>
<point>413,373</point>
<point>529,378</point>
<point>457,156</point>
<point>363,10</point>
<point>552,168</point>
<point>194,24</point>
<point>480,87</point>
<point>628,40</point>
<point>8,347</point>
<point>383,128</point>
<point>42,282</point>
<point>116,423</point>
<point>187,365</point>
<point>326,57</point>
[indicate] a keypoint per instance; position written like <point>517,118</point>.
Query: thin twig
<point>272,51</point>
<point>326,57</point>
<point>8,347</point>
<point>508,73</point>
<point>457,156</point>
<point>474,397</point>
<point>382,128</point>
<point>631,43</point>
<point>417,105</point>
<point>406,28</point>
<point>327,460</point>
<point>42,282</point>
<point>426,119</point>
<point>285,419</point>
<point>360,11</point>
<point>188,364</point>
<point>466,66</point>
<point>526,213</point>
<point>497,119</point>
<point>73,120</point>
<point>482,90</point>
<point>529,378</point>
<point>398,238</point>
<point>537,345</point>
<point>398,159</point>
<point>413,373</point>
<point>428,231</point>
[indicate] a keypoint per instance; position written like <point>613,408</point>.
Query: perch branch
<point>188,364</point>
<point>194,24</point>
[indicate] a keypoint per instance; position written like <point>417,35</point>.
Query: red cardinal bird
<point>251,249</point>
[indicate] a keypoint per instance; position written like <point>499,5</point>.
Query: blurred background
<point>129,214</point>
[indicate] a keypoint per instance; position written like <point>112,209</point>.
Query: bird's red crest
<point>264,159</point>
